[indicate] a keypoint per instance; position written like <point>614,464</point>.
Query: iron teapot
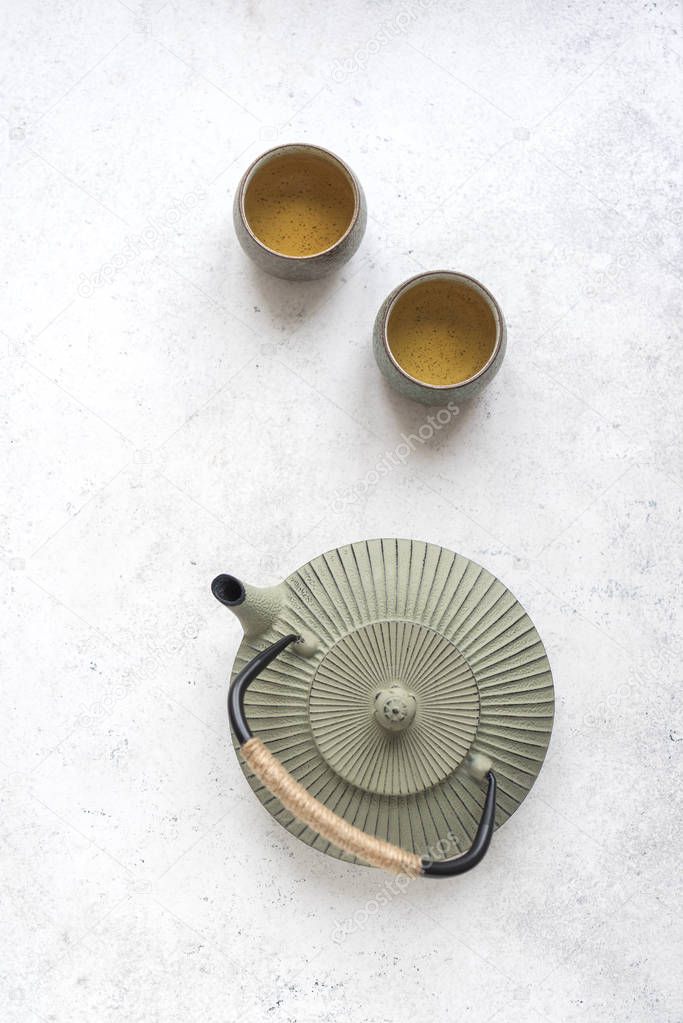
<point>391,702</point>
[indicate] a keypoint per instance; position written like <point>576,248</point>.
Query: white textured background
<point>170,412</point>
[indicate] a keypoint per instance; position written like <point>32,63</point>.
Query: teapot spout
<point>256,607</point>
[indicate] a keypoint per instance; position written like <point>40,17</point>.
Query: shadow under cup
<point>299,212</point>
<point>439,336</point>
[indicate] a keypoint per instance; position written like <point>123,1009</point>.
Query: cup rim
<point>462,278</point>
<point>282,149</point>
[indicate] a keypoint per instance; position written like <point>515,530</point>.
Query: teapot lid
<point>425,664</point>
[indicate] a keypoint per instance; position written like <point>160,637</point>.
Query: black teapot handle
<point>320,818</point>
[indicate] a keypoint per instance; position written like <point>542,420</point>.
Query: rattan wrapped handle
<point>320,818</point>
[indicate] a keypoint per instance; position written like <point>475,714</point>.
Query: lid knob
<point>395,708</point>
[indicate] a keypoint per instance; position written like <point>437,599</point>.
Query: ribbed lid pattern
<point>342,700</point>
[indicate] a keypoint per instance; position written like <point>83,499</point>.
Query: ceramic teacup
<point>299,212</point>
<point>439,337</point>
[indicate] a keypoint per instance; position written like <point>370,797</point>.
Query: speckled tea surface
<point>441,332</point>
<point>170,412</point>
<point>299,205</point>
<point>299,212</point>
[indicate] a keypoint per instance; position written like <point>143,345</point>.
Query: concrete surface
<point>170,413</point>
